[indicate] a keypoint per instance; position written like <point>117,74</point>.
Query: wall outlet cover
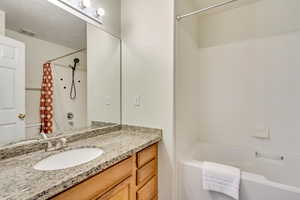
<point>137,101</point>
<point>108,100</point>
<point>262,133</point>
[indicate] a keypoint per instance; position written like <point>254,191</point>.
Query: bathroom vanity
<point>126,170</point>
<point>132,179</point>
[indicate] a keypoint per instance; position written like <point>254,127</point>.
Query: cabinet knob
<point>21,116</point>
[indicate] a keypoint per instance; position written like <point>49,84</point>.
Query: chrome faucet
<point>59,143</point>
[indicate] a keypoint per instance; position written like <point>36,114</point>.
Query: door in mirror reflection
<point>12,95</point>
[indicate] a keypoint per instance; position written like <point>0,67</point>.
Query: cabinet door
<point>120,192</point>
<point>100,184</point>
<point>148,191</point>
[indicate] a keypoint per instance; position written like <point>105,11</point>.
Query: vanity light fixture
<point>85,4</point>
<point>100,12</point>
<point>81,8</point>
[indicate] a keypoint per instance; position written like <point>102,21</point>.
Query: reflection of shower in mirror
<point>54,68</point>
<point>73,86</point>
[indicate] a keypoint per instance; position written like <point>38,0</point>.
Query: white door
<point>12,90</point>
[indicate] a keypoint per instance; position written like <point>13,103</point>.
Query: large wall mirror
<point>58,72</point>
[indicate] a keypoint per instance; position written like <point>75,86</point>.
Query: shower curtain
<point>46,100</point>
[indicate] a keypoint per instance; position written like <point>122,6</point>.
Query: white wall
<point>2,23</point>
<point>187,37</point>
<point>147,33</point>
<point>37,53</point>
<point>241,77</point>
<point>104,76</point>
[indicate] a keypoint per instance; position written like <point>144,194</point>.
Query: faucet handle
<point>59,144</point>
<point>63,141</point>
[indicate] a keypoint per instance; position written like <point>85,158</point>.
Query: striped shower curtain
<point>46,100</point>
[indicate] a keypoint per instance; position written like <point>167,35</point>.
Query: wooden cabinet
<point>146,172</point>
<point>98,184</point>
<point>146,155</point>
<point>132,179</point>
<point>149,191</point>
<point>120,192</point>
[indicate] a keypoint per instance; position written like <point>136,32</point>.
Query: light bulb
<point>85,3</point>
<point>100,12</point>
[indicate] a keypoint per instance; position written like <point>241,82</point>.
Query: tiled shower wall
<point>237,78</point>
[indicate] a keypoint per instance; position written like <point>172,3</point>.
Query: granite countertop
<point>19,181</point>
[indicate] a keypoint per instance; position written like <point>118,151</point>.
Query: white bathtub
<point>253,186</point>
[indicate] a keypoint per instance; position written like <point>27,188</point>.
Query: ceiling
<point>48,21</point>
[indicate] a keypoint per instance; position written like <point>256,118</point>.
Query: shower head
<point>76,60</point>
<point>73,86</point>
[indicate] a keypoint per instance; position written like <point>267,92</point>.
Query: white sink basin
<point>68,159</point>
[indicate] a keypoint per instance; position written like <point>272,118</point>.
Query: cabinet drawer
<point>149,191</point>
<point>98,184</point>
<point>146,172</point>
<point>146,155</point>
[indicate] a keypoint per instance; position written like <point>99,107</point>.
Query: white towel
<point>221,178</point>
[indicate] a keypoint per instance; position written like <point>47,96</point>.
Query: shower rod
<point>179,17</point>
<point>66,55</point>
<point>33,89</point>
